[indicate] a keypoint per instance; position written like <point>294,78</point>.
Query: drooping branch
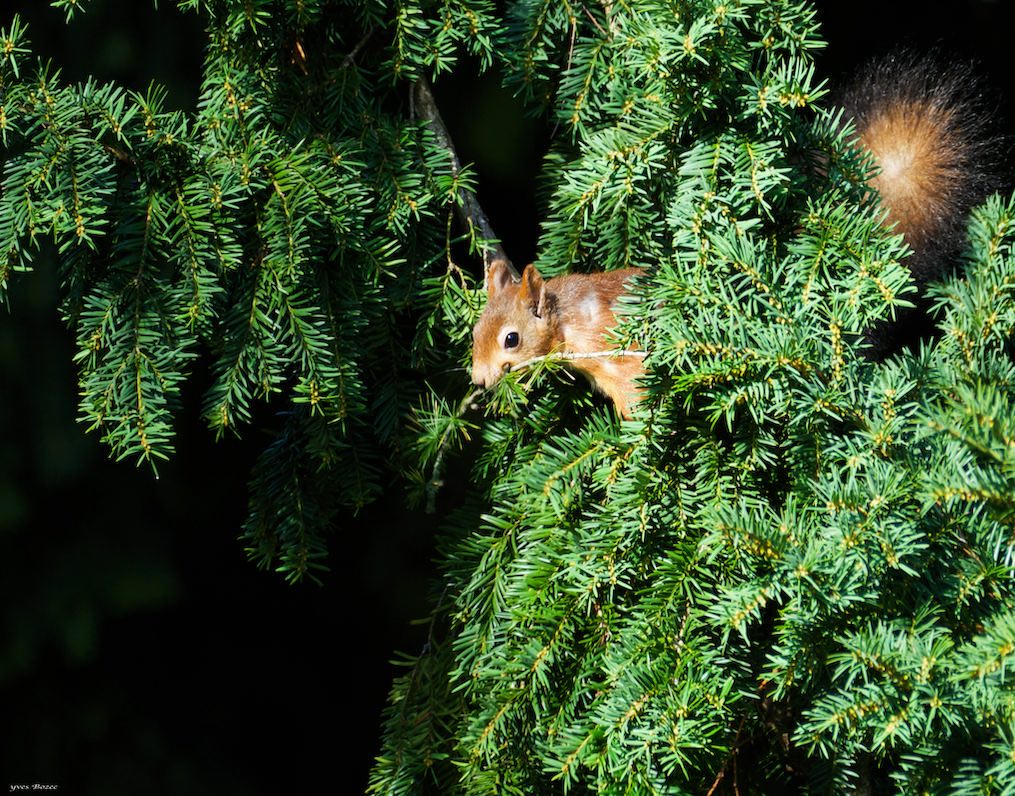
<point>436,480</point>
<point>469,211</point>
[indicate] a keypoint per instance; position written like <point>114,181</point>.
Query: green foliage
<point>793,568</point>
<point>284,230</point>
<point>796,562</point>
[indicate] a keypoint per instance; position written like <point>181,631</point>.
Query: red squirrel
<point>570,315</point>
<point>922,127</point>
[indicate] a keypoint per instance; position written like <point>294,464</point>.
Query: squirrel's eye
<point>511,340</point>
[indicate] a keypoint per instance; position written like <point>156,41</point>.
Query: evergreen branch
<point>611,19</point>
<point>470,214</point>
<point>436,479</point>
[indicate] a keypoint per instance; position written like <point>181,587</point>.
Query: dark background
<point>139,650</point>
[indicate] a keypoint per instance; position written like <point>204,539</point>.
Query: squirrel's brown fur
<point>922,124</point>
<point>926,125</point>
<point>569,314</point>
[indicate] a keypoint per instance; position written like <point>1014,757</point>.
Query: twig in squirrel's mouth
<point>566,356</point>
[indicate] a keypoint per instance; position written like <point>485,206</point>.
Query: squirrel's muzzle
<point>483,375</point>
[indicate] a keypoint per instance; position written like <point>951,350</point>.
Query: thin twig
<point>469,212</point>
<point>347,61</point>
<point>610,21</point>
<point>595,22</point>
<point>570,44</point>
<point>568,356</point>
<point>428,645</point>
<point>731,758</point>
<point>718,779</point>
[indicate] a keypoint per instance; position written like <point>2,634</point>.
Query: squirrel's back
<point>927,126</point>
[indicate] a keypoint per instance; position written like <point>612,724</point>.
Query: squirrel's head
<point>517,324</point>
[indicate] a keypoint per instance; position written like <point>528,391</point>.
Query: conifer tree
<point>792,568</point>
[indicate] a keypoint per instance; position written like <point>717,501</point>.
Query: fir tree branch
<point>595,22</point>
<point>436,479</point>
<point>468,209</point>
<point>610,19</point>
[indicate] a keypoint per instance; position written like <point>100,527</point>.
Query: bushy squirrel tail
<point>928,126</point>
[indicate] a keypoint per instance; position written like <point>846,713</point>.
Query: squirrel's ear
<point>533,291</point>
<point>499,275</point>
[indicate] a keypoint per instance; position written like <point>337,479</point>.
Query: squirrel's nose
<point>478,379</point>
